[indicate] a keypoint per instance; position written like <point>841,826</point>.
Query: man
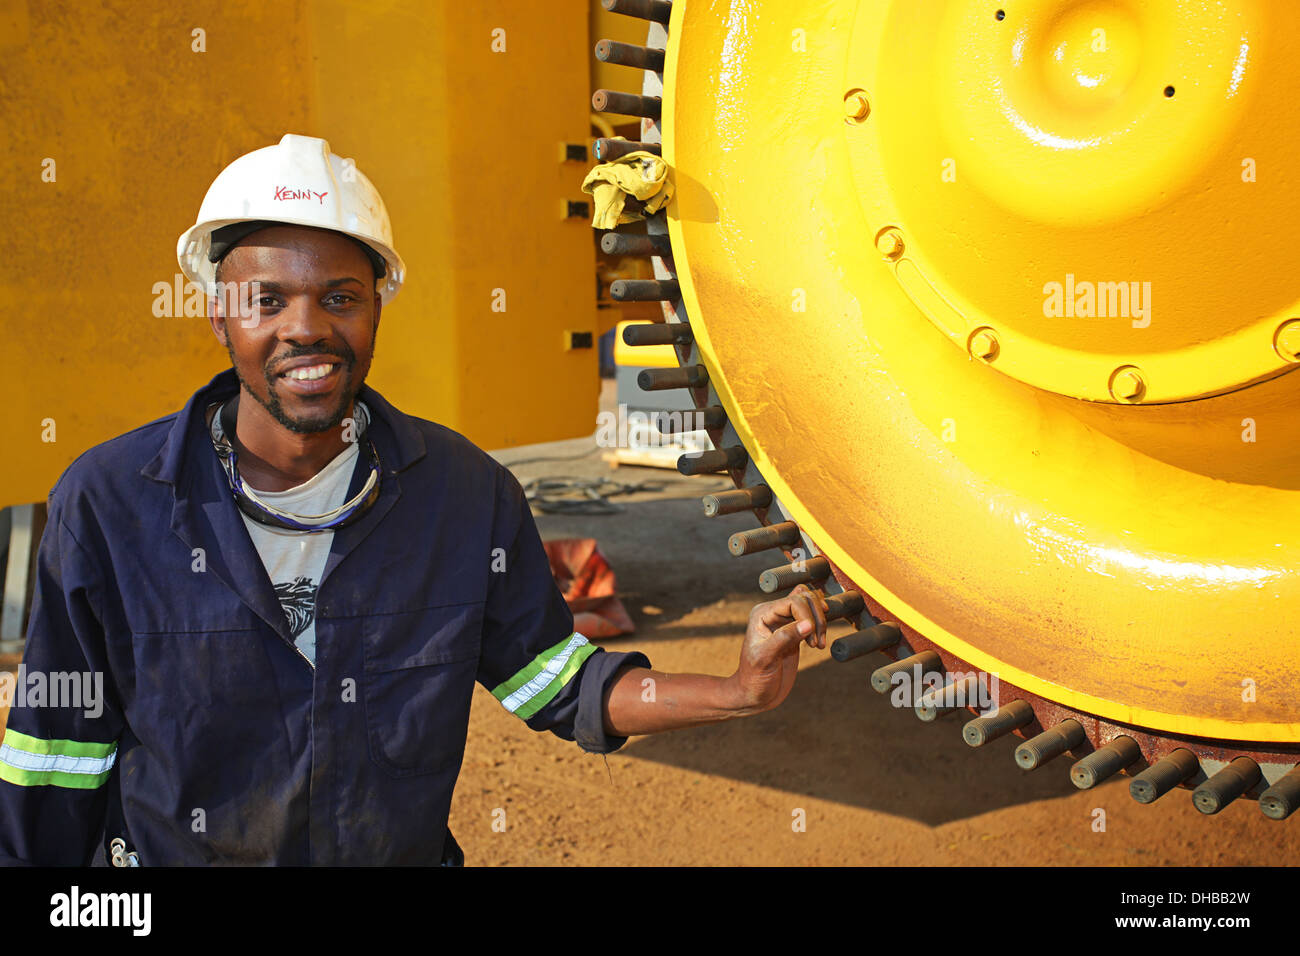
<point>290,587</point>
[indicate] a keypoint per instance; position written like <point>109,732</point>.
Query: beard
<point>275,407</point>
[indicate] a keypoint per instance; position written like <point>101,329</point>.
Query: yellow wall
<point>463,143</point>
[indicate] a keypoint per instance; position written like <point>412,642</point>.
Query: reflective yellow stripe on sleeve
<point>33,762</point>
<point>535,685</point>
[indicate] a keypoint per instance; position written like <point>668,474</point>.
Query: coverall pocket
<point>417,686</point>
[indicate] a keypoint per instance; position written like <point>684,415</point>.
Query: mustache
<point>347,357</point>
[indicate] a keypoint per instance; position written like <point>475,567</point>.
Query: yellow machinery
<point>994,305</point>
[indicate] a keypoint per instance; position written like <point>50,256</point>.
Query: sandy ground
<point>872,784</point>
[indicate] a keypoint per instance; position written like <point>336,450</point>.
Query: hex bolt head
<point>890,244</point>
<point>1127,384</point>
<point>983,345</point>
<point>856,106</point>
<point>1287,340</point>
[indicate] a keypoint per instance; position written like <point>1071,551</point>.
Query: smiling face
<point>302,344</point>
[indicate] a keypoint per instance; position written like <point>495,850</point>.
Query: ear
<point>379,307</point>
<point>217,319</point>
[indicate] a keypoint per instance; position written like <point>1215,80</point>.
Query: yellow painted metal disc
<point>1099,509</point>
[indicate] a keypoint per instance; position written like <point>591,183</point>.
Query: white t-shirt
<point>295,560</point>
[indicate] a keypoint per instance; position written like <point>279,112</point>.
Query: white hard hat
<point>301,183</point>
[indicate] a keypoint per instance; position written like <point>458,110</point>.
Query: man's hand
<point>641,701</point>
<point>769,658</point>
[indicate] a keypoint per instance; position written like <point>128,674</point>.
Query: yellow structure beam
<point>118,116</point>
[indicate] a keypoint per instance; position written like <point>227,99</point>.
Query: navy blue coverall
<point>218,742</point>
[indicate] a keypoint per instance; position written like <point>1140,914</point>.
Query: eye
<point>340,298</point>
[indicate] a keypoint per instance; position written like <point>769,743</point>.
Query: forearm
<point>643,701</point>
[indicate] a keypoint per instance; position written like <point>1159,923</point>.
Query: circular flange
<point>1107,182</point>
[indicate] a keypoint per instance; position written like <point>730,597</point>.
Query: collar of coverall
<point>399,442</point>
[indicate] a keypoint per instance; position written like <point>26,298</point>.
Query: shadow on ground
<point>834,738</point>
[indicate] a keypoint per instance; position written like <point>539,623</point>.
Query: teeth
<point>309,373</point>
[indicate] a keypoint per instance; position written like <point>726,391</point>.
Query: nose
<point>303,321</point>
